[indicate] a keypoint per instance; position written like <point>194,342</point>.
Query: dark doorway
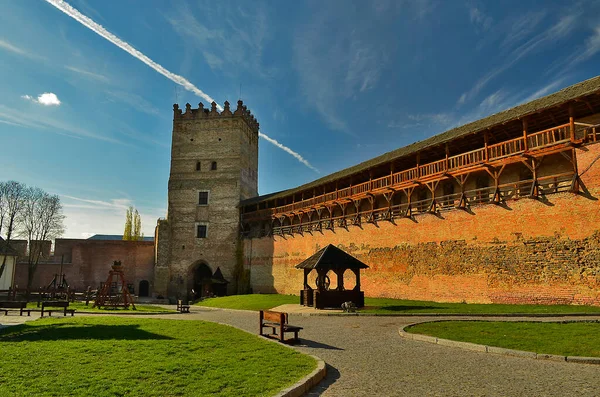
<point>144,288</point>
<point>202,286</point>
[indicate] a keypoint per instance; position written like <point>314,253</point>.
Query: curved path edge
<point>303,385</point>
<point>493,349</point>
<point>308,382</point>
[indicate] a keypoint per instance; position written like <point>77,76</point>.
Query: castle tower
<point>214,165</point>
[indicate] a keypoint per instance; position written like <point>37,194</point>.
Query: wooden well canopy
<point>331,258</point>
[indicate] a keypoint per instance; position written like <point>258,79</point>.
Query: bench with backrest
<point>277,321</point>
<point>7,306</point>
<point>61,304</point>
<point>181,308</point>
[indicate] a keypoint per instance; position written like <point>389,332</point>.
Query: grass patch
<point>114,356</point>
<point>399,306</point>
<point>565,339</point>
<point>250,302</point>
<point>81,307</point>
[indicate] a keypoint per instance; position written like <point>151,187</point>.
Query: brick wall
<point>91,261</point>
<point>529,251</point>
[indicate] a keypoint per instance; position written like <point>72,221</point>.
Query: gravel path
<point>367,357</point>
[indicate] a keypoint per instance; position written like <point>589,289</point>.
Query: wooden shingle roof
<point>576,91</point>
<point>331,258</point>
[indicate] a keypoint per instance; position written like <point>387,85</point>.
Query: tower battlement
<point>201,112</point>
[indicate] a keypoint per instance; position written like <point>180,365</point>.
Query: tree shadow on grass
<point>61,332</point>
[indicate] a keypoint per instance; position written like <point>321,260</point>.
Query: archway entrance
<point>201,284</point>
<point>144,288</point>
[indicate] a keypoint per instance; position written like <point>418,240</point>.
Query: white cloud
<point>549,37</point>
<point>87,73</point>
<point>39,121</point>
<point>16,50</point>
<point>46,99</point>
<point>552,87</point>
<point>480,19</point>
<point>87,216</point>
<point>98,29</point>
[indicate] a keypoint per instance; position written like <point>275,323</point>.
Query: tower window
<point>198,166</point>
<point>213,166</point>
<point>201,231</point>
<point>203,198</point>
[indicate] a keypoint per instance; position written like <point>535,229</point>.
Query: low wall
<point>90,261</point>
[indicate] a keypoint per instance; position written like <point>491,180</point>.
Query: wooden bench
<point>181,308</point>
<point>277,321</point>
<point>62,304</point>
<point>5,306</point>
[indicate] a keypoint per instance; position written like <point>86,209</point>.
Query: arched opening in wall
<point>200,281</point>
<point>144,289</point>
<point>349,280</point>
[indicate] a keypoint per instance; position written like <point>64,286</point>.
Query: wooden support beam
<point>572,122</point>
<point>575,181</point>
<point>525,141</point>
<point>486,142</point>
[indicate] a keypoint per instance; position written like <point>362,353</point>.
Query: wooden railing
<point>535,141</point>
<point>466,159</point>
<point>505,149</point>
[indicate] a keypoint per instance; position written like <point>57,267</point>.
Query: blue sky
<point>337,82</point>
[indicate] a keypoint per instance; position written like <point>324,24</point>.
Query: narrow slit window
<point>201,231</point>
<point>202,198</point>
<point>198,166</point>
<point>213,166</point>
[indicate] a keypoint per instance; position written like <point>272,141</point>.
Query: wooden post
<point>572,122</point>
<point>486,140</point>
<point>525,143</point>
<point>575,183</point>
<point>357,286</point>
<point>447,157</point>
<point>418,165</point>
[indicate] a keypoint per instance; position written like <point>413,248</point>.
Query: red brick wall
<point>528,252</point>
<point>87,262</point>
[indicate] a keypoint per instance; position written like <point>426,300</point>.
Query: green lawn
<point>114,356</point>
<point>391,306</point>
<point>397,306</point>
<point>565,339</point>
<point>81,307</point>
<point>250,302</point>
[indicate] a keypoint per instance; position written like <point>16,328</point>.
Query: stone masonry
<point>215,155</point>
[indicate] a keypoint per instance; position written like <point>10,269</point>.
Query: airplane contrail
<point>177,79</point>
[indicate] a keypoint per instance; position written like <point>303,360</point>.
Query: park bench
<point>62,304</point>
<point>7,306</point>
<point>181,308</point>
<point>277,321</point>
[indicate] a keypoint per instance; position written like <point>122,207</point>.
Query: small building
<point>331,260</point>
<point>8,275</point>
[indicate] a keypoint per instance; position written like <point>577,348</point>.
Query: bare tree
<point>12,195</point>
<point>41,220</point>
